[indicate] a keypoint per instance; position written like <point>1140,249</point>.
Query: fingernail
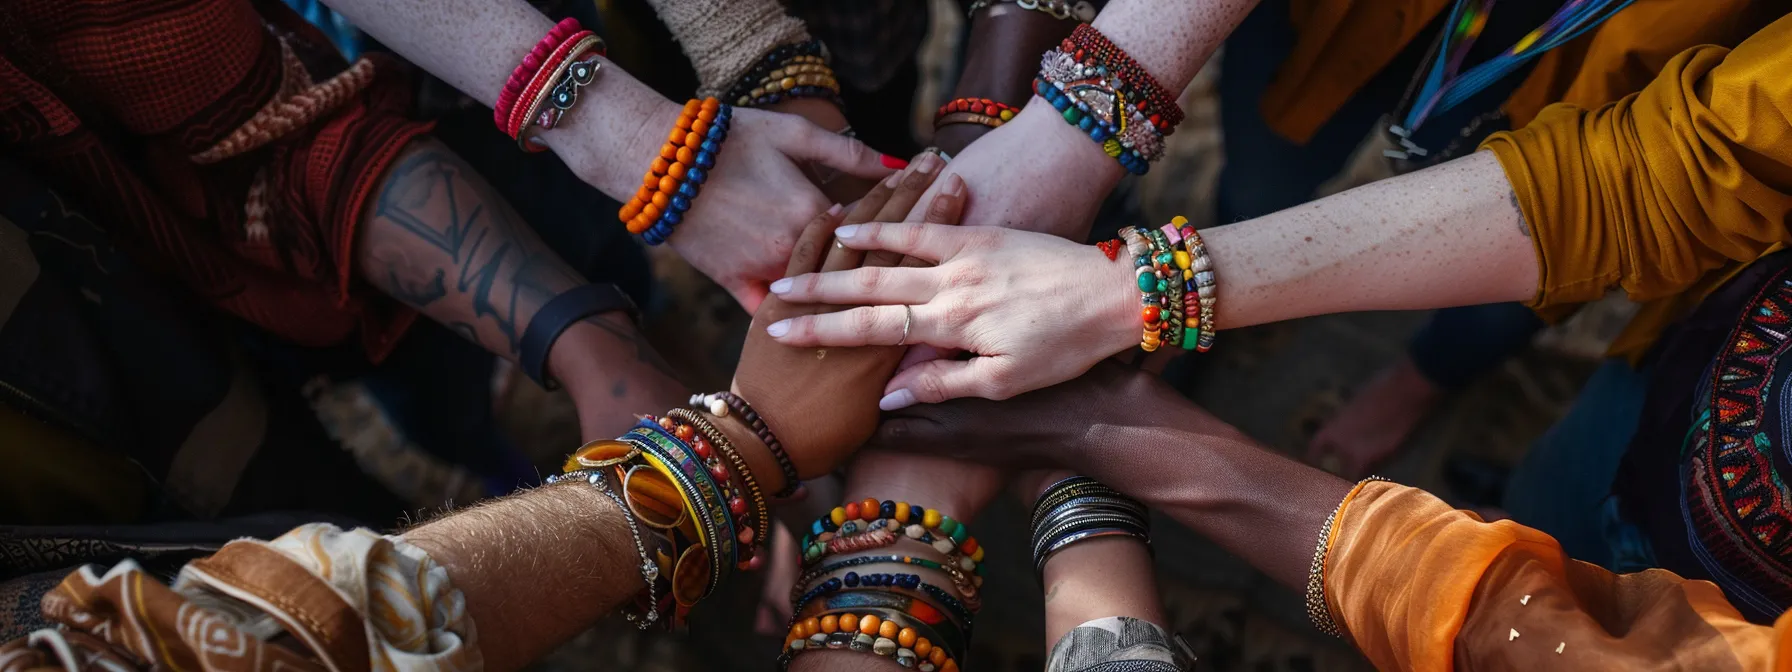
<point>928,163</point>
<point>779,328</point>
<point>893,180</point>
<point>781,287</point>
<point>847,231</point>
<point>835,210</point>
<point>954,186</point>
<point>897,400</point>
<point>892,162</point>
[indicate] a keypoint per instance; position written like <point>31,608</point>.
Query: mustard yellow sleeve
<point>1655,190</point>
<point>1419,585</point>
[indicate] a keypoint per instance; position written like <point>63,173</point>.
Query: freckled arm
<point>1450,235</point>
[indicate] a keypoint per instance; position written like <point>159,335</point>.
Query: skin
<point>1449,235</point>
<point>1133,432</point>
<point>475,44</point>
<point>1001,57</point>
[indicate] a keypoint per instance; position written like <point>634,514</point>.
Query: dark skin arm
<point>1128,429</point>
<point>439,238</point>
<point>1001,57</point>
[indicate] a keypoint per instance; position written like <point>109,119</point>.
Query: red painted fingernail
<point>893,163</point>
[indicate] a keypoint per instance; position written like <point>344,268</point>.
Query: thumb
<point>935,381</point>
<point>811,144</point>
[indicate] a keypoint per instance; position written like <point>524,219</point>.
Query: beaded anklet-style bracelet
<point>868,633</point>
<point>798,70</point>
<point>916,522</point>
<point>981,111</point>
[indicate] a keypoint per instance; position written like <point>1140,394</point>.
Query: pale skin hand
<point>1041,310</point>
<point>739,232</point>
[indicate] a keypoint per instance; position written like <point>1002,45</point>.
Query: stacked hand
<point>822,402</point>
<point>1035,309</point>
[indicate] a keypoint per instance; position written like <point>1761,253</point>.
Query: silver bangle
<point>1062,10</point>
<point>650,570</point>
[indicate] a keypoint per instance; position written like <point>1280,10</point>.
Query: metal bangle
<point>650,570</point>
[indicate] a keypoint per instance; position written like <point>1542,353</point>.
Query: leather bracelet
<point>559,313</point>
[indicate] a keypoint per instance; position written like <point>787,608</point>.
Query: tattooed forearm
<point>441,240</point>
<point>1518,210</point>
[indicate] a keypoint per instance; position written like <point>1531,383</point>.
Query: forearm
<point>536,568</point>
<point>1099,578</point>
<point>1450,235</point>
<point>1264,508</point>
<point>440,239</point>
<point>475,44</point>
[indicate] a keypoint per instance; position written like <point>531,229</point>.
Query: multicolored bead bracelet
<point>672,182</point>
<point>867,633</point>
<point>980,111</point>
<point>702,496</point>
<point>713,447</point>
<point>720,404</point>
<point>1151,288</point>
<point>1158,104</point>
<point>1099,89</point>
<point>929,526</point>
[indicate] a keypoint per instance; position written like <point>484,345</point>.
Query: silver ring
<point>908,318</point>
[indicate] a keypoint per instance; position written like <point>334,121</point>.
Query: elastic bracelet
<point>802,77</point>
<point>1157,102</point>
<point>519,77</point>
<point>933,631</point>
<point>870,633</point>
<point>749,537</point>
<point>1062,10</point>
<point>964,609</point>
<point>1164,263</point>
<point>806,52</point>
<point>720,404</point>
<point>650,570</point>
<point>734,502</point>
<point>1200,282</point>
<point>916,522</point>
<point>701,494</point>
<point>559,313</point>
<point>541,83</point>
<point>1151,288</point>
<point>672,182</point>
<point>1318,609</point>
<point>579,72</point>
<point>974,111</point>
<point>861,561</point>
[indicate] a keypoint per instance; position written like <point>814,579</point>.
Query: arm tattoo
<point>1519,210</point>
<point>450,246</point>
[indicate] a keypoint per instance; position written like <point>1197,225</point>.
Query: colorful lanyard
<point>1444,86</point>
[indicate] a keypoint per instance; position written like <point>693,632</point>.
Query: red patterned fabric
<point>107,100</point>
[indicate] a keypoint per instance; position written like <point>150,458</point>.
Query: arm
<point>1001,56</point>
<point>439,238</point>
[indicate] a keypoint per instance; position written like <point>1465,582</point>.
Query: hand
<point>1056,426</point>
<point>836,186</point>
<point>1036,173</point>
<point>1035,309</point>
<point>822,403</point>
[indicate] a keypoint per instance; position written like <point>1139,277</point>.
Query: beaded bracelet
<point>953,536</point>
<point>869,633</point>
<point>1201,280</point>
<point>1150,288</point>
<point>519,77</point>
<point>714,447</point>
<point>1159,105</point>
<point>673,180</point>
<point>702,496</point>
<point>928,621</point>
<point>753,88</point>
<point>1163,263</point>
<point>863,560</point>
<point>720,404</point>
<point>981,111</point>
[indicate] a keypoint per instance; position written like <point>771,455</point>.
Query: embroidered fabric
<point>1119,643</point>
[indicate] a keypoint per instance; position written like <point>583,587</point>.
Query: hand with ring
<point>821,402</point>
<point>1036,309</point>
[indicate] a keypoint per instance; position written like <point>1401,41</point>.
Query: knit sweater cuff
<point>724,38</point>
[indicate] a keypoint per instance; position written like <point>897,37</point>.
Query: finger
<point>943,379</point>
<point>868,325</point>
<point>946,207</point>
<point>932,243</point>
<point>812,244</point>
<point>813,144</point>
<point>923,353</point>
<point>861,287</point>
<point>873,201</point>
<point>912,186</point>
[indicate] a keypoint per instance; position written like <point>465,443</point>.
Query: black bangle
<point>558,314</point>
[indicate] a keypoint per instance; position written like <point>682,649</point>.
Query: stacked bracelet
<point>1080,508</point>
<point>1100,90</point>
<point>981,111</point>
<point>787,72</point>
<point>1062,10</point>
<point>1163,263</point>
<point>1152,285</point>
<point>1198,280</point>
<point>546,84</point>
<point>875,631</point>
<point>928,526</point>
<point>720,404</point>
<point>671,184</point>
<point>713,447</point>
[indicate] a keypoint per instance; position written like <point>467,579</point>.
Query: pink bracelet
<point>542,78</point>
<point>519,78</point>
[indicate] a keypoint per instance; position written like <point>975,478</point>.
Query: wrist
<point>610,139</point>
<point>754,452</point>
<point>1117,322</point>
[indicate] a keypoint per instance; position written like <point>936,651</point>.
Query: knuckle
<point>869,279</point>
<point>984,237</point>
<point>928,388</point>
<point>960,311</point>
<point>864,321</point>
<point>1001,384</point>
<point>911,236</point>
<point>809,284</point>
<point>967,275</point>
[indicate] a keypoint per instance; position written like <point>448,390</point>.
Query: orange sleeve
<point>1658,189</point>
<point>1418,585</point>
